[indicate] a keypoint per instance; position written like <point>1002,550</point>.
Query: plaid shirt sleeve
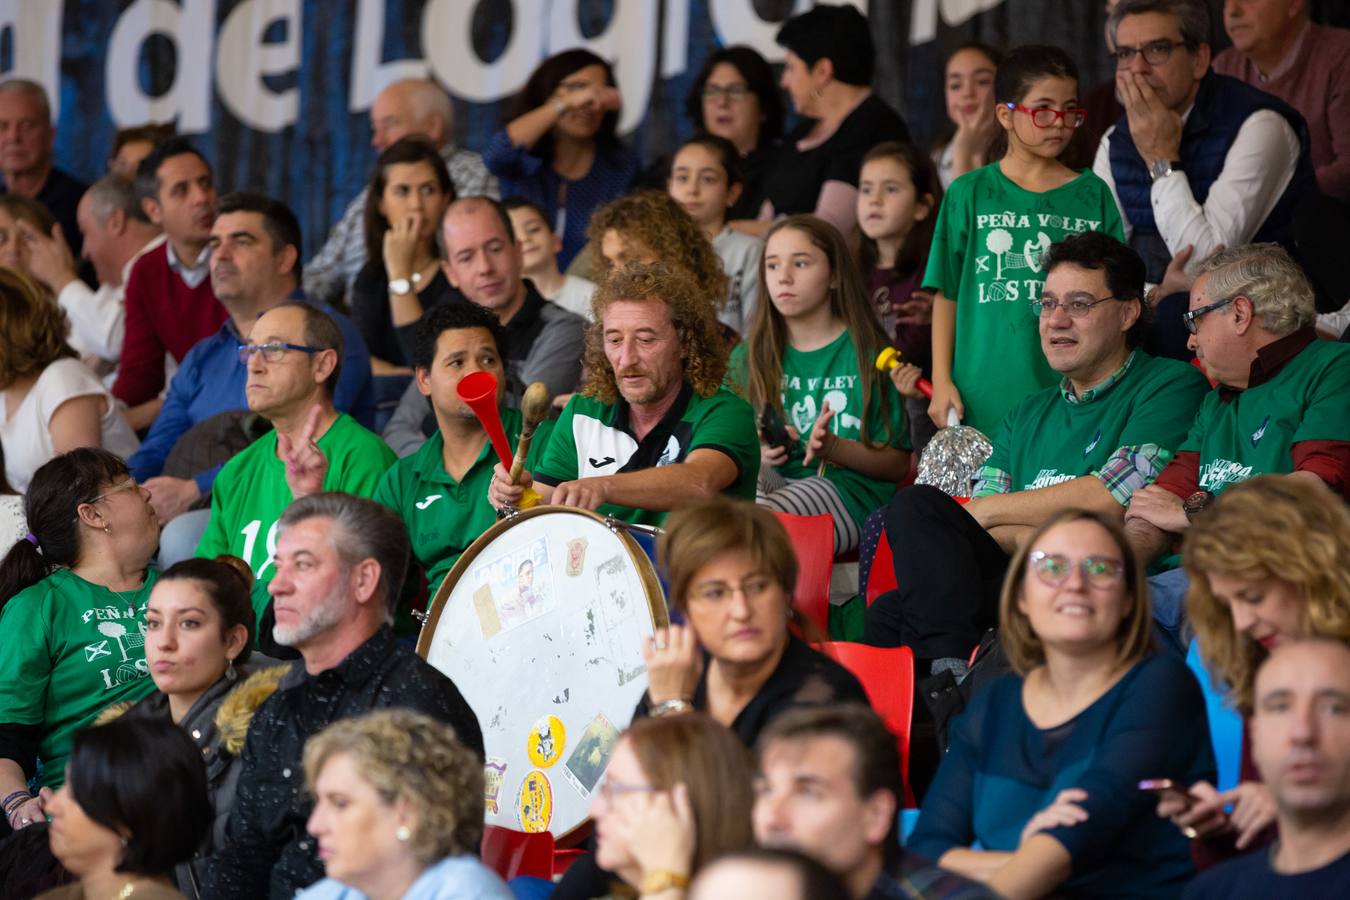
<point>1131,467</point>
<point>989,480</point>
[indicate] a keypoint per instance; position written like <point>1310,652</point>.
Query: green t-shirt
<point>70,649</point>
<point>594,439</point>
<point>829,375</point>
<point>986,257</point>
<point>444,516</point>
<point>1046,439</point>
<point>1253,432</point>
<point>251,493</point>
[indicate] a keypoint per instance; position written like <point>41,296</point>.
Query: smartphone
<point>1162,786</point>
<point>772,427</point>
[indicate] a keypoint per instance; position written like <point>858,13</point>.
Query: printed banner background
<point>276,92</point>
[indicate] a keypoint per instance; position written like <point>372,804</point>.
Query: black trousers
<point>949,571</point>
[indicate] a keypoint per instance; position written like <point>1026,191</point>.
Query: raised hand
<point>820,439</point>
<point>306,464</point>
<point>674,663</point>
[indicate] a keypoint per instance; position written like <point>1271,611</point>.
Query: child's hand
<point>821,440</point>
<point>917,310</point>
<point>776,456</point>
<point>905,377</point>
<point>945,396</point>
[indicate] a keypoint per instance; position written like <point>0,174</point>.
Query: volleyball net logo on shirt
<point>120,653</point>
<point>1008,258</point>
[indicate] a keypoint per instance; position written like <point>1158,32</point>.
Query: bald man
<point>412,106</point>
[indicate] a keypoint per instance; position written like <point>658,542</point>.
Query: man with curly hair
<point>652,428</point>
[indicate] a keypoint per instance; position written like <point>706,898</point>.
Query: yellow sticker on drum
<point>546,741</point>
<point>534,808</point>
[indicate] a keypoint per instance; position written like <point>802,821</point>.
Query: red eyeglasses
<point>1047,118</point>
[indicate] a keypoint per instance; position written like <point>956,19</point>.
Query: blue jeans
<point>178,541</point>
<point>1167,595</point>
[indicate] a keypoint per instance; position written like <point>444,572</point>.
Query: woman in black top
<point>827,74</point>
<point>410,189</point>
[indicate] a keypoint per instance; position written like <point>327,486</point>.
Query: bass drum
<point>540,624</point>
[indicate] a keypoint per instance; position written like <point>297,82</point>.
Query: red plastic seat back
<point>881,577</point>
<point>813,542</point>
<point>887,674</point>
<point>511,853</point>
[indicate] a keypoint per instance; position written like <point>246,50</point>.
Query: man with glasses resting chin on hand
<point>1104,432</point>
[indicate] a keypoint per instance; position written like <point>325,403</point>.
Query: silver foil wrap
<point>952,458</point>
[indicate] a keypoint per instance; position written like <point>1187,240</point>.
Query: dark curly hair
<point>705,362</point>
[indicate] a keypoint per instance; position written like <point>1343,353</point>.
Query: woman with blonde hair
<point>1269,562</point>
<point>398,811</point>
<point>52,402</point>
<point>1043,768</point>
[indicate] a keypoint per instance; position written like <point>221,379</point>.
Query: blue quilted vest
<point>1222,104</point>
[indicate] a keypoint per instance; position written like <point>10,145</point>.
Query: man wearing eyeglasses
<point>255,245</point>
<point>1283,398</point>
<point>293,361</point>
<point>1104,432</point>
<point>1199,160</point>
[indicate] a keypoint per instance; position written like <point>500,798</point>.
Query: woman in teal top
<point>72,621</point>
<point>809,358</point>
<point>1043,768</point>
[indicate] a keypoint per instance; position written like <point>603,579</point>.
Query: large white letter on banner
<point>736,22</point>
<point>35,35</point>
<point>369,75</point>
<point>190,28</point>
<point>242,59</point>
<point>447,41</point>
<point>629,42</point>
<point>923,21</point>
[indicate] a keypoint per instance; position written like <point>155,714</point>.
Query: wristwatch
<point>1196,504</point>
<point>659,880</point>
<point>401,287</point>
<point>1163,167</point>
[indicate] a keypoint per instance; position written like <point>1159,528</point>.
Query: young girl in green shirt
<point>809,359</point>
<point>995,224</point>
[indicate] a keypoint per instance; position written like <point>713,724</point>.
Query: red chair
<point>887,674</point>
<point>813,542</point>
<point>511,853</point>
<point>881,577</point>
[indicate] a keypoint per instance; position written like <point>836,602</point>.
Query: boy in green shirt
<point>292,368</point>
<point>653,427</point>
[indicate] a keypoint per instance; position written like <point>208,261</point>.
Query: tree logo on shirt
<point>1260,432</point>
<point>132,665</point>
<point>1092,445</point>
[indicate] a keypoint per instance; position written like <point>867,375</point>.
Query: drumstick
<point>534,406</point>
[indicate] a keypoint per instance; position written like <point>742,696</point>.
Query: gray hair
<point>32,89</point>
<point>1281,295</point>
<point>362,529</point>
<point>427,99</point>
<point>1192,15</point>
<point>110,194</point>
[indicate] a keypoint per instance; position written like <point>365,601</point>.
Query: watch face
<point>400,286</point>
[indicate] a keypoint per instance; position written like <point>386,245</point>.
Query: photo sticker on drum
<point>534,807</point>
<point>587,762</point>
<point>517,585</point>
<point>546,741</point>
<point>576,556</point>
<point>494,774</point>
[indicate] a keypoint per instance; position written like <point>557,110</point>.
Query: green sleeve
<point>362,468</point>
<point>1196,436</point>
<point>1112,222</point>
<point>1165,410</point>
<point>216,538</point>
<point>1001,457</point>
<point>738,377</point>
<point>559,460</point>
<point>1326,417</point>
<point>539,443</point>
<point>894,424</point>
<point>729,426</point>
<point>946,256</point>
<point>390,489</point>
<point>26,663</point>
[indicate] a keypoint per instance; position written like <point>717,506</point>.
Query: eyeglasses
<point>752,588</point>
<point>1054,569</point>
<point>1155,52</point>
<point>128,485</point>
<point>611,789</point>
<point>1076,305</point>
<point>732,92</point>
<point>1188,318</point>
<point>273,351</point>
<point>1045,117</point>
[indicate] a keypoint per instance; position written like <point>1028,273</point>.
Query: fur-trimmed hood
<point>236,710</point>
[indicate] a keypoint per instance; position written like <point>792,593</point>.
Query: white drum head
<point>540,625</point>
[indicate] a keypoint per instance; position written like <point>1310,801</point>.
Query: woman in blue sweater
<point>1043,770</point>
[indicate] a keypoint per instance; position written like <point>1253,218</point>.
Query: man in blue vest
<point>1199,160</point>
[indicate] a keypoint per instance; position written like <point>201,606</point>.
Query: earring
<point>107,529</point>
<point>231,673</point>
<point>403,834</point>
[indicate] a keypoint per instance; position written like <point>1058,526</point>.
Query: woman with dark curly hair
<point>398,811</point>
<point>52,401</point>
<point>651,226</point>
<point>559,149</point>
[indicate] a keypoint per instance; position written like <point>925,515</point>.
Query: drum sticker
<point>576,556</point>
<point>494,773</point>
<point>587,762</point>
<point>517,585</point>
<point>620,600</point>
<point>546,741</point>
<point>487,612</point>
<point>534,806</point>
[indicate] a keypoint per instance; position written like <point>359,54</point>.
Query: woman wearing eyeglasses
<point>1043,769</point>
<point>52,402</point>
<point>72,620</point>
